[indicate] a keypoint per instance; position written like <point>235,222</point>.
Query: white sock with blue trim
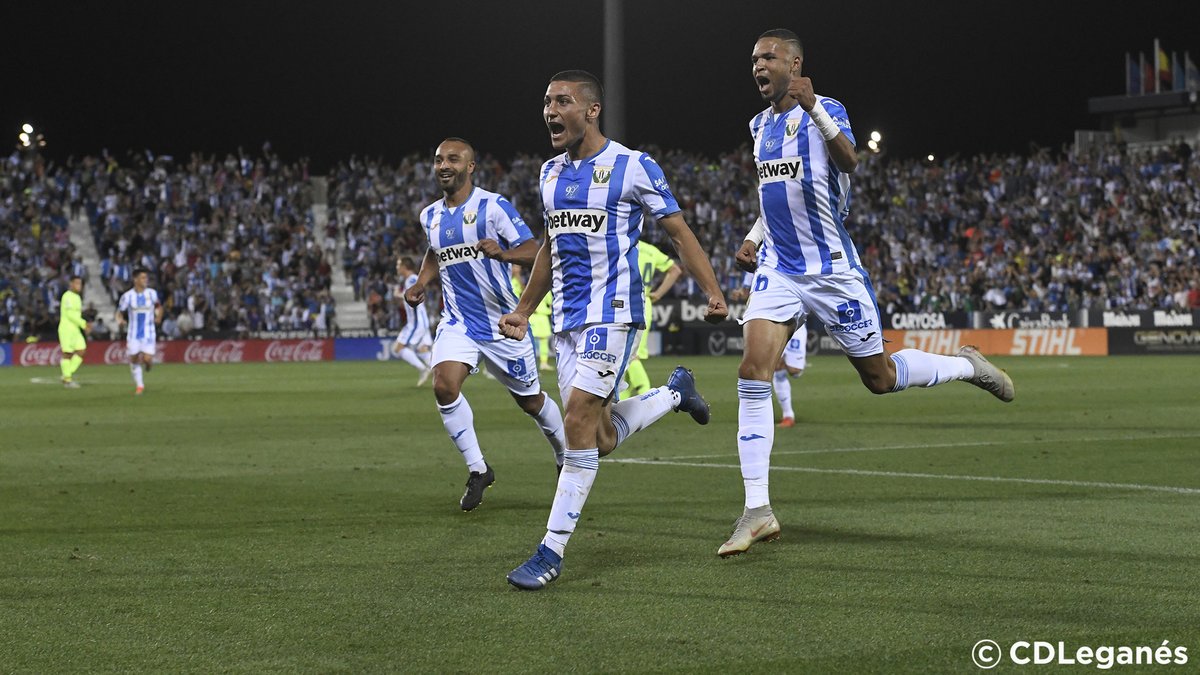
<point>634,414</point>
<point>136,368</point>
<point>783,392</point>
<point>756,435</point>
<point>459,421</point>
<point>550,421</point>
<point>574,484</point>
<point>915,368</point>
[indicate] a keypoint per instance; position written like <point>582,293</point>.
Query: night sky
<point>329,79</point>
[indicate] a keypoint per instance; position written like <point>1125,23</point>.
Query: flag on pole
<point>1133,76</point>
<point>1163,66</point>
<point>1147,68</point>
<point>1180,81</point>
<point>1190,74</point>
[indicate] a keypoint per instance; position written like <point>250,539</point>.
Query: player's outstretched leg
<point>915,368</point>
<point>679,394</point>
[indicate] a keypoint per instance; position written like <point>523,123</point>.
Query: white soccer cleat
<point>988,377</point>
<point>757,524</point>
<point>424,376</point>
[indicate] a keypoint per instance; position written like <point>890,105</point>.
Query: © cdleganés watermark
<point>987,654</point>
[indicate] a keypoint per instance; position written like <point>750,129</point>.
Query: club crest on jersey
<point>572,189</point>
<point>791,128</point>
<point>601,175</point>
<point>470,217</point>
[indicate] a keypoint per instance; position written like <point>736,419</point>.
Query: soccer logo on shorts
<point>849,312</point>
<point>516,367</point>
<point>597,339</point>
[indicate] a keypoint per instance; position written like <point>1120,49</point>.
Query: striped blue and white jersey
<point>804,197</point>
<point>416,319</point>
<point>138,308</point>
<point>594,213</point>
<point>476,290</point>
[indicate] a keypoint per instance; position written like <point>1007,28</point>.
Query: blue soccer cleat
<point>690,400</point>
<point>539,570</point>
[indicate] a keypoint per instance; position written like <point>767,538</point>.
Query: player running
<point>413,343</point>
<point>651,261</point>
<point>596,195</point>
<point>145,311</point>
<point>473,237</point>
<point>804,149</point>
<point>71,331</point>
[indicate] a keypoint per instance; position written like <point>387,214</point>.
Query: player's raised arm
<point>695,262</point>
<point>514,324</point>
<point>841,149</point>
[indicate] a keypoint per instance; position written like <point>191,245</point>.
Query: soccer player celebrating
<point>473,237</point>
<point>413,343</point>
<point>595,196</point>
<point>651,260</point>
<point>144,310</point>
<point>804,150</point>
<point>71,330</point>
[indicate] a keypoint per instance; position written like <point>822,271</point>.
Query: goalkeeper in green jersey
<point>71,331</point>
<point>650,261</point>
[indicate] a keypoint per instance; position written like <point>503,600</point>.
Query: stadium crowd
<point>233,244</point>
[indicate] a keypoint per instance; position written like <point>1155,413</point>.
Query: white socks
<point>413,359</point>
<point>574,483</point>
<point>136,368</point>
<point>460,424</point>
<point>915,368</point>
<point>550,421</point>
<point>756,434</point>
<point>634,414</point>
<point>783,392</point>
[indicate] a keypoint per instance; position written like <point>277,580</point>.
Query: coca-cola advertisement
<point>198,351</point>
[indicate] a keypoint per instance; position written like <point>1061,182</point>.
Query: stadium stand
<point>236,247</point>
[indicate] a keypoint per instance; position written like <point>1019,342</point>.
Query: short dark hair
<point>459,139</point>
<point>407,262</point>
<point>785,35</point>
<point>591,83</point>
<point>73,277</point>
<point>141,270</point>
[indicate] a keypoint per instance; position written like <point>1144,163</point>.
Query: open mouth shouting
<point>558,131</point>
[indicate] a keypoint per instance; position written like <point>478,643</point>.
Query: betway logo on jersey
<point>576,221</point>
<point>775,170</point>
<point>453,255</point>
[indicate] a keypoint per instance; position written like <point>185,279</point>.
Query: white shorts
<point>844,303</point>
<point>512,362</point>
<point>593,358</point>
<point>413,337</point>
<point>795,352</point>
<point>133,346</point>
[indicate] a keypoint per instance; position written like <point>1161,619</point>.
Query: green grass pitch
<point>304,518</point>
